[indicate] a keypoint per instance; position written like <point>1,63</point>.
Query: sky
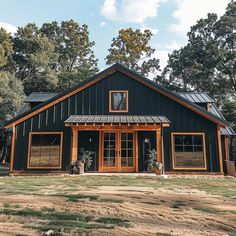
<point>169,20</point>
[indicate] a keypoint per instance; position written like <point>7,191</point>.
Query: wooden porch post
<point>159,147</point>
<point>226,144</point>
<point>12,147</point>
<point>74,146</point>
<point>136,150</point>
<point>220,150</point>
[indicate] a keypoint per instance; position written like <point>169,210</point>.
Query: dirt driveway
<point>107,206</point>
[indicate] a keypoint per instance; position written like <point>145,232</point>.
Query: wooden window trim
<point>127,100</point>
<point>29,148</point>
<point>173,151</point>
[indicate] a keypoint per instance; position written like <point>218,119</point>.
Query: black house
<point>120,116</point>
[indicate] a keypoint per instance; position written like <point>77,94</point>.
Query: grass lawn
<point>4,170</point>
<point>117,205</point>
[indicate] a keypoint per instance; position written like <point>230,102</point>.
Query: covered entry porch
<point>120,143</point>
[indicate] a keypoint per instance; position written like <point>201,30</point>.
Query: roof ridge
<point>105,73</point>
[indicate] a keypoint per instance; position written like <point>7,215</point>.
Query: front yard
<point>117,205</point>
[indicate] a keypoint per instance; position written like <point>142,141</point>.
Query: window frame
<point>29,151</point>
<point>173,151</point>
<point>110,100</point>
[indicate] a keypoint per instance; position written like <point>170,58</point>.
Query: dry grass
<point>117,205</point>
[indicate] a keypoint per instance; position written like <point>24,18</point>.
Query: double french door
<point>117,151</point>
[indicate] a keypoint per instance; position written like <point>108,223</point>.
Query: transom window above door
<point>118,101</point>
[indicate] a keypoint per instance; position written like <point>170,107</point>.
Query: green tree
<point>131,48</point>
<point>6,47</point>
<point>33,52</point>
<point>45,81</point>
<point>11,96</point>
<point>229,112</point>
<point>76,61</point>
<point>207,62</point>
<point>34,57</point>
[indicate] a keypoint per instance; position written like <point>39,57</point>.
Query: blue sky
<point>169,20</point>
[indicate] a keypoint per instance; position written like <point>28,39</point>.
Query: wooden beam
<point>165,125</point>
<point>162,152</point>
<point>159,149</point>
<point>136,150</point>
<point>74,146</point>
<point>193,173</point>
<point>12,147</point>
<point>108,127</point>
<point>220,150</point>
<point>158,146</point>
<point>226,144</point>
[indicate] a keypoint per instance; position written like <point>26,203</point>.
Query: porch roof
<point>116,119</point>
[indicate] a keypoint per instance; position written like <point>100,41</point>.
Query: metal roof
<point>226,130</point>
<point>40,96</point>
<point>99,119</point>
<point>24,108</point>
<point>204,98</point>
<point>197,97</point>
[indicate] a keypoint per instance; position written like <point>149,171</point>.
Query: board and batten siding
<point>94,100</point>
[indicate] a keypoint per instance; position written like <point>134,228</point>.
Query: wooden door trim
<point>103,168</point>
<point>118,168</point>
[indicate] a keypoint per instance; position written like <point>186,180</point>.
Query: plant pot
<point>230,166</point>
<point>81,168</point>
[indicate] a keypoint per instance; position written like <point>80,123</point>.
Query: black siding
<point>95,100</point>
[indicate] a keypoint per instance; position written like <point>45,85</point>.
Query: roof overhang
<point>140,122</point>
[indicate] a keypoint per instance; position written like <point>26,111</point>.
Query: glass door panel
<point>109,150</point>
<point>117,153</point>
<point>127,150</point>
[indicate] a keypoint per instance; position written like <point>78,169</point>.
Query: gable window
<point>118,101</point>
<point>188,151</point>
<point>45,150</point>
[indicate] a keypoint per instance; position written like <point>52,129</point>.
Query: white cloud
<point>8,27</point>
<point>102,24</point>
<point>108,9</point>
<point>189,12</point>
<point>153,30</point>
<point>162,52</point>
<point>130,10</point>
<point>172,46</point>
<point>162,55</point>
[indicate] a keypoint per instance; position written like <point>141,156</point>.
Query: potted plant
<point>154,165</point>
<point>84,162</point>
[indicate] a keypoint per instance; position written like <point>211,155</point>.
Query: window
<point>188,151</point>
<point>118,101</point>
<point>45,150</point>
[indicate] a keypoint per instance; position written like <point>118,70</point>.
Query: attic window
<point>118,101</point>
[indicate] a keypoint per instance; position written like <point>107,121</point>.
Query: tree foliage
<point>44,58</point>
<point>131,48</point>
<point>33,52</point>
<point>208,62</point>
<point>6,47</point>
<point>76,60</point>
<point>11,96</point>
